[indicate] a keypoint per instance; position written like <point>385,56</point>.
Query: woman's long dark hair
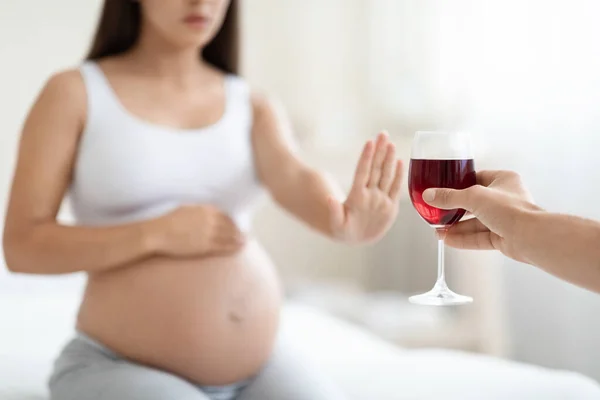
<point>119,29</point>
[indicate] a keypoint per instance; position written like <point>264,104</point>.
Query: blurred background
<point>522,76</point>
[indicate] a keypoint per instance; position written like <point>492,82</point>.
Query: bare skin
<point>163,292</point>
<point>506,219</point>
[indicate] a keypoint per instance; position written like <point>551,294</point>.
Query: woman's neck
<point>156,56</point>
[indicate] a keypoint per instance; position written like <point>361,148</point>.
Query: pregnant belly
<point>212,321</point>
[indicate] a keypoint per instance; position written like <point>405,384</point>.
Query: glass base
<point>440,295</point>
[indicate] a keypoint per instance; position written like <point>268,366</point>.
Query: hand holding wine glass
<point>498,200</point>
<point>507,219</point>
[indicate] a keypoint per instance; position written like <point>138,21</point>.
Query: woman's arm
<point>33,240</point>
<point>367,212</point>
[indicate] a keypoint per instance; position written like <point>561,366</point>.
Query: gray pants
<point>86,370</point>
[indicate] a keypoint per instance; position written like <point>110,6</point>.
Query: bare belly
<point>212,321</point>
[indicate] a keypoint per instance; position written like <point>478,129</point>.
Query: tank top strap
<point>239,99</point>
<point>100,96</point>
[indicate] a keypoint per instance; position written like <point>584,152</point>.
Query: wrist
<point>528,222</point>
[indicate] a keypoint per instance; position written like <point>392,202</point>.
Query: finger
<point>225,220</point>
<point>363,169</point>
<point>471,241</point>
<point>389,163</point>
<point>226,248</point>
<point>229,238</point>
<point>448,199</point>
<point>227,229</point>
<point>377,165</point>
<point>470,226</point>
<point>487,177</point>
<point>397,182</point>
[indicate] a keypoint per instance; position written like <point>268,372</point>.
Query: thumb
<point>448,199</point>
<point>336,212</point>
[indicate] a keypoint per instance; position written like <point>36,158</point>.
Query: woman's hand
<point>199,230</point>
<point>372,205</point>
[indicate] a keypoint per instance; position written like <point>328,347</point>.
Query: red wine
<point>425,174</point>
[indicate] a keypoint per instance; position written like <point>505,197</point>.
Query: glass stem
<point>441,274</point>
<point>441,279</point>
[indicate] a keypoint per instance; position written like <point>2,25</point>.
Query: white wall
<point>311,54</point>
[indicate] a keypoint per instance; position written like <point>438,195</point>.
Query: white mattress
<point>34,327</point>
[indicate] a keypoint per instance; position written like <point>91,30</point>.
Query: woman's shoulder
<point>61,102</point>
<point>67,80</point>
<point>264,103</point>
<point>66,86</point>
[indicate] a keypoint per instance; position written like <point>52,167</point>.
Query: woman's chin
<point>193,38</point>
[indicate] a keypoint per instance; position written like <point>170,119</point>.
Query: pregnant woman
<point>163,150</point>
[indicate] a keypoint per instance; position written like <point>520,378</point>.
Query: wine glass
<point>440,160</point>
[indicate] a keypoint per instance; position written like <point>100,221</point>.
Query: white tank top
<point>128,169</point>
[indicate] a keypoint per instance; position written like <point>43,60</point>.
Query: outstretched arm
<point>363,216</point>
<point>506,219</point>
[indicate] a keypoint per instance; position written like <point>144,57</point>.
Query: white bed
<point>33,327</point>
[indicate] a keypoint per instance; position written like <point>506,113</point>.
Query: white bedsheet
<point>33,328</point>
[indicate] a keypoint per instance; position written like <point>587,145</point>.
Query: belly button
<point>235,317</point>
<point>239,310</point>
